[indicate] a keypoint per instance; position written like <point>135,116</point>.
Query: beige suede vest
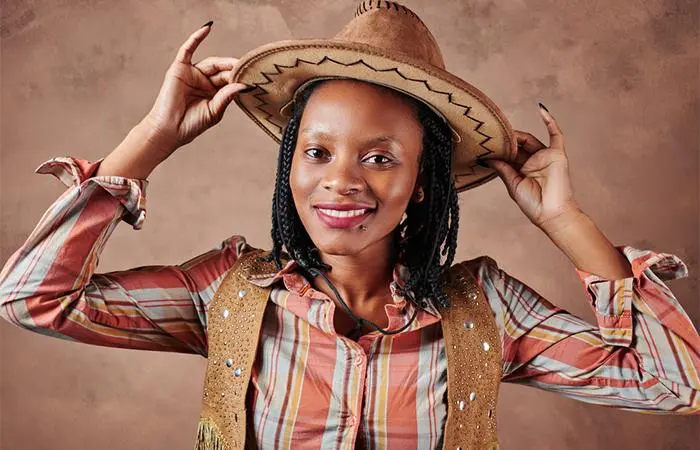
<point>472,347</point>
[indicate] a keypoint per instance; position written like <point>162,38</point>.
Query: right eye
<point>316,153</point>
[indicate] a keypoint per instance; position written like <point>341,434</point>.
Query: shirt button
<point>351,421</point>
<point>359,360</point>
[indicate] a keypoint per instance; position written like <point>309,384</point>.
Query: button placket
<point>359,360</point>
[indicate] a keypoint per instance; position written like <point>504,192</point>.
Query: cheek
<point>396,193</point>
<point>301,183</point>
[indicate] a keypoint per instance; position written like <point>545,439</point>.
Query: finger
<point>184,54</point>
<point>213,64</point>
<point>511,178</point>
<point>528,142</point>
<point>223,98</point>
<point>556,138</point>
<point>220,79</point>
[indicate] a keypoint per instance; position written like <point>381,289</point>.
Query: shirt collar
<point>296,283</point>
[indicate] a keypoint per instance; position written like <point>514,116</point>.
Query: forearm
<point>60,254</point>
<point>587,247</point>
<point>642,353</point>
<point>58,257</point>
<point>137,155</point>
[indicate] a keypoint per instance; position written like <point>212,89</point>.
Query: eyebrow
<point>310,132</point>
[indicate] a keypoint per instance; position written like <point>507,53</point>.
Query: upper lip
<point>342,206</point>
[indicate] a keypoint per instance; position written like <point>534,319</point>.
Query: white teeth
<point>350,213</point>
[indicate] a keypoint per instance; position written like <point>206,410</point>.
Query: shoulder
<point>482,267</point>
<point>249,261</point>
<point>236,246</point>
<point>224,255</point>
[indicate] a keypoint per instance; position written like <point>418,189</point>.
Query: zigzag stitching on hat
<point>267,76</point>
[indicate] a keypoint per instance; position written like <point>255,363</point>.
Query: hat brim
<point>279,68</point>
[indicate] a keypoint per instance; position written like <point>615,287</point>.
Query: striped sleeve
<point>49,284</point>
<point>643,354</point>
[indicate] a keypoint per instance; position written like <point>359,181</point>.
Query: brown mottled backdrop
<point>621,77</point>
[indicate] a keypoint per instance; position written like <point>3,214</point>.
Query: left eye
<point>378,159</point>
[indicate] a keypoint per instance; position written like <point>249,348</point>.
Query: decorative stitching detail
<point>341,47</point>
<point>268,76</point>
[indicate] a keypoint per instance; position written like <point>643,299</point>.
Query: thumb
<point>511,178</point>
<point>223,98</point>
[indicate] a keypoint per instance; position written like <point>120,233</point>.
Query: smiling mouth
<point>334,218</point>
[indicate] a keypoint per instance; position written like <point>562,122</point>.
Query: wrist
<point>570,217</point>
<point>155,139</point>
<point>137,155</point>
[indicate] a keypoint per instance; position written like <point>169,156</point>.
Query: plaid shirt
<point>315,388</point>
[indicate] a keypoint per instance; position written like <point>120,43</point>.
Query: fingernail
<point>248,89</point>
<point>542,106</point>
<point>208,24</point>
<point>482,164</point>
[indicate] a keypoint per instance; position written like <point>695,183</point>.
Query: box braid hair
<point>427,227</point>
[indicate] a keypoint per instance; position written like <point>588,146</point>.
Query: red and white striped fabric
<point>311,388</point>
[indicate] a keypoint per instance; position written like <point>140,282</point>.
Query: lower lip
<point>342,222</point>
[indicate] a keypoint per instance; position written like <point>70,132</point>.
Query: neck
<point>361,279</point>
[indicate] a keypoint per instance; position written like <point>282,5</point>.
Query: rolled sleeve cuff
<point>130,192</point>
<point>612,299</point>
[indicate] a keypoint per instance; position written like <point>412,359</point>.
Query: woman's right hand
<point>193,97</point>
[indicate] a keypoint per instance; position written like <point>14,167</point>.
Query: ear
<point>418,192</point>
<point>418,195</point>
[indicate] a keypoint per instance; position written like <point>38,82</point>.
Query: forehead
<point>357,106</point>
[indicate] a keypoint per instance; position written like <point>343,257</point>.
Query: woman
<point>351,351</point>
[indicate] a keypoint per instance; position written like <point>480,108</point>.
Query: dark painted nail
<point>482,164</point>
<point>248,89</point>
<point>542,106</point>
<point>208,24</point>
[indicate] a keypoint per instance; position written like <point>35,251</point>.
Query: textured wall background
<point>621,77</point>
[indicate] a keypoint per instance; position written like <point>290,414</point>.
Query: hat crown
<point>393,27</point>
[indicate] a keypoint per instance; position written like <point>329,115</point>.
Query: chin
<point>340,246</point>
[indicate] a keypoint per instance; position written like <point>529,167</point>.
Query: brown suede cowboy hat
<point>386,44</point>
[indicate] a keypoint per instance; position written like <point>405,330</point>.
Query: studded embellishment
<point>231,360</point>
<point>473,351</point>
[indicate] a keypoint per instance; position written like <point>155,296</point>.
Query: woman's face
<point>355,165</point>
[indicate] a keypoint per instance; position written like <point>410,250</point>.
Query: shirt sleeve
<point>643,354</point>
<point>49,284</point>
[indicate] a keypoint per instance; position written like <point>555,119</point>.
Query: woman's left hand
<point>539,179</point>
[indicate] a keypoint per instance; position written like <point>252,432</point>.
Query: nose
<point>343,176</point>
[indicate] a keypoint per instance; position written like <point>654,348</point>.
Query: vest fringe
<point>208,437</point>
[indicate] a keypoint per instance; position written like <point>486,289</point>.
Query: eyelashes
<point>318,154</point>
